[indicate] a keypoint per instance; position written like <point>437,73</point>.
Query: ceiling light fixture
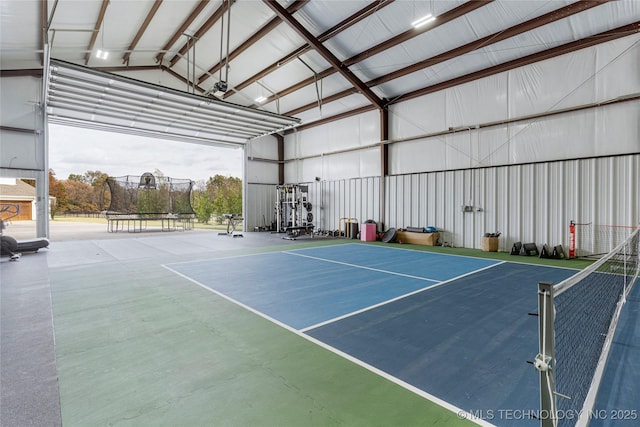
<point>261,99</point>
<point>423,21</point>
<point>102,54</point>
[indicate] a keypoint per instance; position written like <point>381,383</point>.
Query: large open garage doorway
<point>88,113</point>
<point>80,159</point>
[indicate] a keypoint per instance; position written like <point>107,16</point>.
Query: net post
<point>544,361</point>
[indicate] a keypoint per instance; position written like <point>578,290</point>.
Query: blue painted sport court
<point>455,327</point>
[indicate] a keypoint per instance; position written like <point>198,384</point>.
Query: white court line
<point>396,248</point>
<point>462,414</point>
<point>363,267</point>
<point>362,310</point>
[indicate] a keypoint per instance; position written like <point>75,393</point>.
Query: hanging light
<point>423,21</point>
<point>102,54</point>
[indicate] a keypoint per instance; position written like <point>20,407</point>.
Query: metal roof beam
<point>583,43</point>
<point>331,32</point>
<point>96,29</point>
<point>325,53</point>
<point>263,31</point>
<point>202,30</point>
<point>529,25</point>
<point>534,23</point>
<point>141,30</point>
<point>448,16</point>
<point>526,60</point>
<point>178,33</point>
<point>445,17</point>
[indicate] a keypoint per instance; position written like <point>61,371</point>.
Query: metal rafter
<point>331,32</point>
<point>96,30</point>
<point>178,33</point>
<point>388,44</point>
<point>442,19</point>
<point>529,25</point>
<point>326,54</point>
<point>141,30</point>
<point>513,31</point>
<point>202,30</point>
<point>583,43</point>
<point>263,31</point>
<point>589,41</point>
<point>308,81</point>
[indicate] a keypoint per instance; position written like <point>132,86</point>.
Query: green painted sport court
<point>195,329</point>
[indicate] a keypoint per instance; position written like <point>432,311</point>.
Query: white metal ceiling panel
<point>385,24</point>
<point>74,22</point>
<point>331,108</point>
<point>19,43</point>
<point>319,16</point>
<point>603,18</point>
<point>162,26</point>
<point>487,20</point>
<point>324,88</point>
<point>264,53</point>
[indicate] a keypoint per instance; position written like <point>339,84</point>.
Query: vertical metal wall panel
<point>354,199</point>
<point>388,201</point>
<point>261,202</point>
<point>415,201</point>
<point>631,179</point>
<point>423,207</point>
<point>431,198</point>
<point>409,199</point>
<point>559,196</point>
<point>329,212</point>
<point>531,203</point>
<point>342,199</point>
<point>514,199</point>
<point>335,201</point>
<point>391,202</point>
<point>542,212</point>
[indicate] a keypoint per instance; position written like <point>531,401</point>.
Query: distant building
<point>17,192</point>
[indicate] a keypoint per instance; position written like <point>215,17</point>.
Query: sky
<point>75,150</point>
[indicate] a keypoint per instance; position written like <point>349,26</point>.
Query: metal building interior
<point>517,116</point>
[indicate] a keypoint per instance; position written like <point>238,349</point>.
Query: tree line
<point>88,193</point>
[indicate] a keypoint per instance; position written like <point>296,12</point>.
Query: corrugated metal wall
<point>528,203</point>
<point>501,144</point>
<point>356,198</point>
<point>260,208</point>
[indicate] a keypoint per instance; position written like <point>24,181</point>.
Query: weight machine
<point>293,210</point>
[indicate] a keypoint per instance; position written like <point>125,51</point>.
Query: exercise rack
<point>293,210</point>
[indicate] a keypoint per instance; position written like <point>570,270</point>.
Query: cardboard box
<point>490,244</point>
<point>425,239</point>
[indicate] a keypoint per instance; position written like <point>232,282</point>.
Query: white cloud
<point>77,150</point>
